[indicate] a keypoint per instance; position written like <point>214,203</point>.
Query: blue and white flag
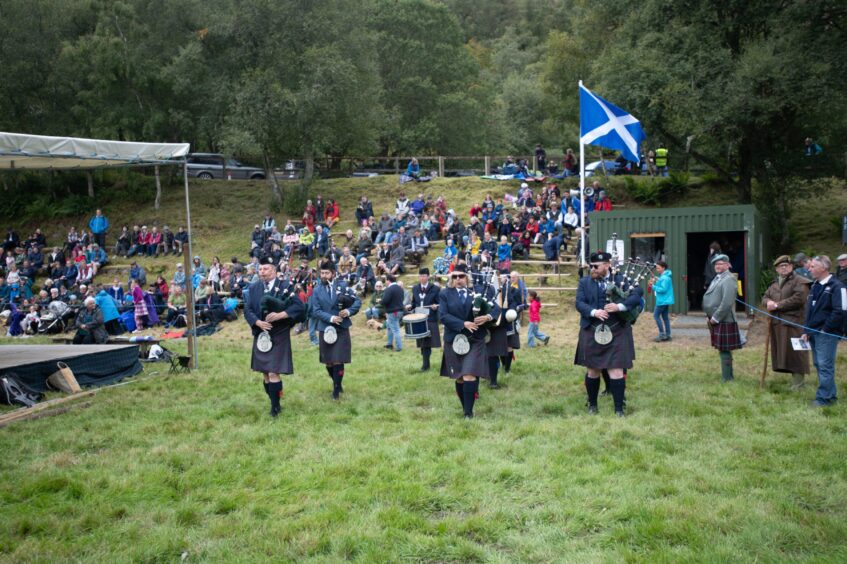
<point>604,124</point>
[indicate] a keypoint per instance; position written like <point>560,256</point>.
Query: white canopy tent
<point>20,151</point>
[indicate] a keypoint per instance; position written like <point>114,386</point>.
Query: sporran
<point>603,335</point>
<point>264,343</point>
<point>330,335</point>
<point>461,345</point>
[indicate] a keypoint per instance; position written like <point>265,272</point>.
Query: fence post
<point>441,167</point>
<point>535,163</point>
<point>396,165</point>
<point>487,165</point>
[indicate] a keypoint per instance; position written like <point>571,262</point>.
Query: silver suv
<point>215,165</point>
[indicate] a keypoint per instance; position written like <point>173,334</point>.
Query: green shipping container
<point>681,237</point>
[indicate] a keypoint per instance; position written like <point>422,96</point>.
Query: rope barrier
<point>785,321</point>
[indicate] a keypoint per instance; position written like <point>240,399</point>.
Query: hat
<point>179,265</point>
<point>460,269</point>
<point>600,257</point>
<point>423,271</point>
<point>196,257</point>
<point>842,257</point>
<point>784,259</point>
<point>267,260</point>
<point>524,185</point>
<point>719,257</point>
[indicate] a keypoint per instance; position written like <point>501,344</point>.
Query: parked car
<point>214,165</point>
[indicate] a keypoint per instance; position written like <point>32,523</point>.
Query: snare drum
<point>416,326</point>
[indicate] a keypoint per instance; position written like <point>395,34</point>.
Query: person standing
<point>662,160</point>
<point>719,306</point>
<point>841,271</point>
<point>425,295</point>
<point>826,309</point>
<point>331,306</point>
<point>465,358</point>
<point>392,302</point>
<point>534,332</point>
<point>605,336</point>
<point>663,290</point>
<point>272,327</point>
<point>502,344</point>
<point>786,299</point>
<point>99,225</point>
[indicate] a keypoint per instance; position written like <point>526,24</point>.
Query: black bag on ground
<point>15,392</point>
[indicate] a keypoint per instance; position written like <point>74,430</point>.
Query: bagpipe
<point>346,297</point>
<point>279,302</point>
<point>626,277</point>
<point>483,302</point>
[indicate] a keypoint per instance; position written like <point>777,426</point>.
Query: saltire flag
<point>604,124</point>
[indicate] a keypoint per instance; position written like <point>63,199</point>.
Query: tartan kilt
<point>620,353</point>
<point>277,360</point>
<point>434,339</point>
<point>475,363</point>
<point>499,343</point>
<point>725,336</point>
<point>340,352</point>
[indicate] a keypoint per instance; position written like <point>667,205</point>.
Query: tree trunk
<point>699,157</point>
<point>310,168</point>
<point>90,177</point>
<point>603,165</point>
<point>269,174</point>
<point>158,200</point>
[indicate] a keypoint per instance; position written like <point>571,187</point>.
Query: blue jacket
<point>663,288</point>
<point>322,306</point>
<point>98,224</point>
<point>453,314</point>
<point>413,169</point>
<point>826,306</point>
<point>504,251</point>
<point>591,296</point>
<point>107,305</point>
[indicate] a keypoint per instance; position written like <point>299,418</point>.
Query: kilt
<point>340,352</point>
<point>277,360</point>
<point>499,343</point>
<point>434,339</point>
<point>620,353</point>
<point>475,363</point>
<point>514,340</point>
<point>725,336</point>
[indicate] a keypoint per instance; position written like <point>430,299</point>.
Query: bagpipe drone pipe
<point>626,278</point>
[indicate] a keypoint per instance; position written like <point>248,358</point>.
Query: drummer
<point>464,338</point>
<point>504,336</point>
<point>600,320</point>
<point>425,297</point>
<point>332,305</point>
<point>277,360</point>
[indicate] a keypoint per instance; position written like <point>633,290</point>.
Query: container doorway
<point>731,243</point>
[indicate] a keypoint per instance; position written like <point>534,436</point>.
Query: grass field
<point>192,467</point>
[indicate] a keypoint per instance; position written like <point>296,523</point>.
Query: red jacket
<point>603,205</point>
<point>535,311</point>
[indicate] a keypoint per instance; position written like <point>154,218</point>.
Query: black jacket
<point>825,308</point>
<point>392,298</point>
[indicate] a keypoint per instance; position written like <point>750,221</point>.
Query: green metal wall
<point>676,223</point>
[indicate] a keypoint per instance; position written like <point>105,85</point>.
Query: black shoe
<point>468,415</point>
<point>592,410</point>
<point>335,393</point>
<point>494,386</point>
<point>604,393</point>
<point>388,347</point>
<point>275,411</point>
<point>546,341</point>
<point>620,414</point>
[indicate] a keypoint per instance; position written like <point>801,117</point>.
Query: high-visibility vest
<point>661,157</point>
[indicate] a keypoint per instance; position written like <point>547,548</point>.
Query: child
<point>534,320</point>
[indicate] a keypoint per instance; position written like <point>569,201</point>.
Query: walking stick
<point>767,347</point>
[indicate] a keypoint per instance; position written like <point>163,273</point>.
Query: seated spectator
<point>363,246</point>
<point>116,290</point>
<point>521,247</point>
<point>418,204</point>
<point>413,169</point>
<point>320,207</point>
<point>309,222</point>
<point>154,239</point>
<point>90,327</point>
<point>603,203</point>
<point>386,227</point>
<point>213,274</point>
<point>71,241</point>
<point>167,244</point>
<point>161,291</point>
<point>401,206</point>
<point>175,306</point>
<point>366,279</point>
<point>504,254</point>
<point>331,213</point>
<point>124,242</point>
<point>137,273</point>
<point>570,222</point>
<point>142,243</point>
<point>321,242</point>
<point>178,280</point>
<point>346,263</point>
<point>419,246</point>
<point>450,250</point>
<point>68,276</point>
<point>269,223</point>
<point>35,256</point>
<point>96,257</point>
<point>56,255</point>
<point>364,211</point>
<point>376,311</point>
<point>211,308</point>
<point>180,240</point>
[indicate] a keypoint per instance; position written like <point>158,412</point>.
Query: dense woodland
<point>736,85</point>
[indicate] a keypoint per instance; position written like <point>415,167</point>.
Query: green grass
<point>173,465</point>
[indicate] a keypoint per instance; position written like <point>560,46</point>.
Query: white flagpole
<point>581,193</point>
